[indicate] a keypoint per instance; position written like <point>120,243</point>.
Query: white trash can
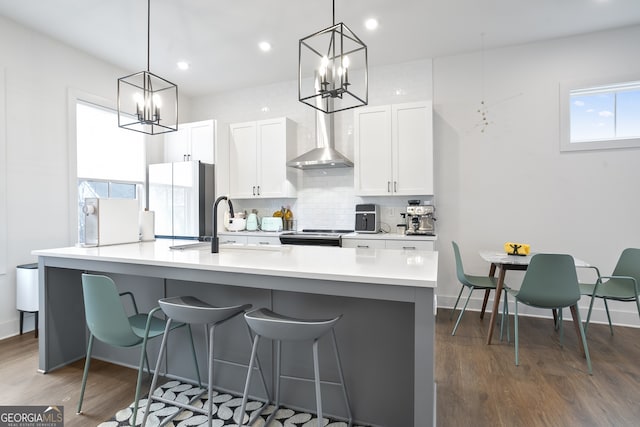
<point>27,295</point>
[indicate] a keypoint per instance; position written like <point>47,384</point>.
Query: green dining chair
<point>485,283</point>
<point>551,282</point>
<point>108,322</point>
<point>622,285</point>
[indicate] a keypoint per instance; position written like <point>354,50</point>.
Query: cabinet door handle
<point>388,186</point>
<point>395,186</point>
<point>263,243</point>
<point>363,246</point>
<point>413,248</point>
<point>254,190</point>
<point>258,190</point>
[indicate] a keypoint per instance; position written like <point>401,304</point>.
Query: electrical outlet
<point>391,212</point>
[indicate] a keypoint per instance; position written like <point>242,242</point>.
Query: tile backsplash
<point>326,200</point>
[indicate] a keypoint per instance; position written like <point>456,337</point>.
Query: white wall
<point>325,198</point>
<point>39,75</point>
<point>511,183</point>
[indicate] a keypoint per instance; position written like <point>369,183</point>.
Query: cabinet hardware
<point>409,248</point>
<point>363,246</point>
<point>254,190</point>
<point>258,190</point>
<point>395,186</point>
<point>388,186</point>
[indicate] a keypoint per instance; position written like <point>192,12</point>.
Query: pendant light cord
<point>148,30</point>
<point>334,12</point>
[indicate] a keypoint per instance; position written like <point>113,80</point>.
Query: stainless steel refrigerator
<point>181,194</point>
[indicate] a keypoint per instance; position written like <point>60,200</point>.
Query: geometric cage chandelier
<point>147,103</point>
<point>332,69</point>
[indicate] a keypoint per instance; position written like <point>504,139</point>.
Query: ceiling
<point>219,39</point>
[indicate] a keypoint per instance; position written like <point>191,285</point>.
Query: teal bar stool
<point>265,323</point>
<point>191,310</point>
<point>108,322</point>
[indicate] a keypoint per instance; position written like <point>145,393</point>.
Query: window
<point>600,116</point>
<point>110,161</point>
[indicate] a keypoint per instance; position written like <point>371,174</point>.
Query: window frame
<point>566,88</point>
<point>74,97</point>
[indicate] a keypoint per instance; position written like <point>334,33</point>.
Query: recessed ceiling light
<point>183,65</point>
<point>264,46</point>
<point>371,24</point>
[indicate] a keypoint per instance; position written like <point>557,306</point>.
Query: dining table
<point>504,262</point>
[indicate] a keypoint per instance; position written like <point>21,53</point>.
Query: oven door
<point>311,239</point>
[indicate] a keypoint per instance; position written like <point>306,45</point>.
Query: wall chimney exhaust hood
<point>324,156</point>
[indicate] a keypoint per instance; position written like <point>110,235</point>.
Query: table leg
<point>484,302</point>
<point>496,300</point>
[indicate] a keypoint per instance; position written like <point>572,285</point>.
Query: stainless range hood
<point>324,155</point>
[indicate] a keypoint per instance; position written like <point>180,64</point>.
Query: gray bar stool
<point>191,310</point>
<point>274,326</point>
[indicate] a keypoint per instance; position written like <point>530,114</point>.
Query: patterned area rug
<point>226,409</point>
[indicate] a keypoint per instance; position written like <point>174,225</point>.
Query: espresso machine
<point>420,219</point>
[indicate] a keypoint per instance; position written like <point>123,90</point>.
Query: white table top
<point>501,258</point>
<point>383,266</point>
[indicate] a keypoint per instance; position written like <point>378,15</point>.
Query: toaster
<point>271,223</point>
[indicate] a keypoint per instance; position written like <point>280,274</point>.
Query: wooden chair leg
<point>484,302</point>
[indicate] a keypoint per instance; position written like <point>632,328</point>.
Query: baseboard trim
<point>627,318</point>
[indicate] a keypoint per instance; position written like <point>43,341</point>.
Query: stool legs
<point>341,374</point>
<point>253,359</point>
<point>154,381</point>
<point>316,377</point>
<point>316,370</point>
<point>212,330</point>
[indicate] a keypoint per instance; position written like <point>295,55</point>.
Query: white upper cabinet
<point>394,150</point>
<point>258,153</point>
<point>192,141</point>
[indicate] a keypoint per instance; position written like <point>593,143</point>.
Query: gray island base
<point>386,335</point>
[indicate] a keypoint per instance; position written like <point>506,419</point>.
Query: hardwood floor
<point>478,385</point>
<point>109,387</point>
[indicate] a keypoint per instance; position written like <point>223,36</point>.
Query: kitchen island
<point>386,336</point>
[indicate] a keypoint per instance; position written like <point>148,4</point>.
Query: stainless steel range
<point>314,237</point>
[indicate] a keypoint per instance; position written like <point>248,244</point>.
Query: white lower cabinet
<point>232,238</point>
<point>263,240</point>
<point>241,238</point>
<point>421,245</point>
<point>363,243</point>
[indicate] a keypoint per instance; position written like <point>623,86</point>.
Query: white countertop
<point>383,266</point>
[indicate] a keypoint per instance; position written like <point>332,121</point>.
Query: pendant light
<point>332,69</point>
<point>147,103</point>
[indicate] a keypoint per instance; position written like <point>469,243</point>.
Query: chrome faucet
<point>215,244</point>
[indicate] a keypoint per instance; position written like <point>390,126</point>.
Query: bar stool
<point>274,326</point>
<point>191,310</point>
